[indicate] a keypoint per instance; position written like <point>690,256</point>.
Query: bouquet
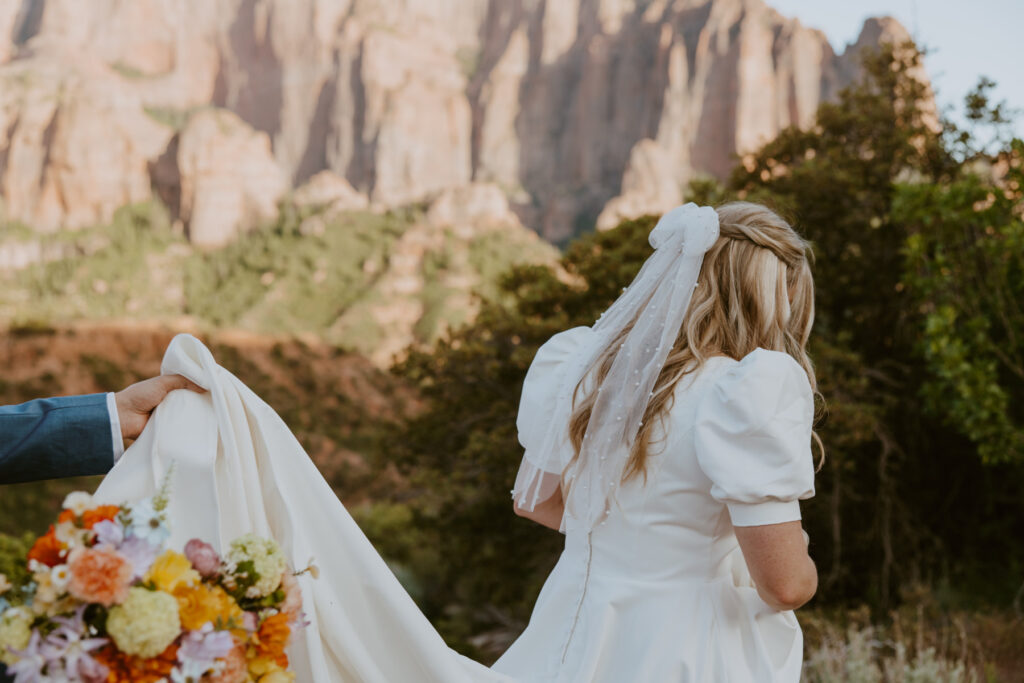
<point>108,601</point>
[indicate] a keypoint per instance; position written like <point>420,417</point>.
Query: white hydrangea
<point>267,559</point>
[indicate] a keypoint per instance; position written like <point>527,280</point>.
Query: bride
<point>670,442</point>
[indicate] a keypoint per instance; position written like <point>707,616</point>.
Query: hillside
<point>375,283</point>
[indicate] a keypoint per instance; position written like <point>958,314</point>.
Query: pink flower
<point>203,557</point>
<point>101,575</point>
<point>292,604</point>
<point>250,622</point>
<point>236,669</point>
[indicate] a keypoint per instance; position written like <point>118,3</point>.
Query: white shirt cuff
<point>765,512</point>
<point>115,427</point>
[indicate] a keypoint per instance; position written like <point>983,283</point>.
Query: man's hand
<point>137,402</point>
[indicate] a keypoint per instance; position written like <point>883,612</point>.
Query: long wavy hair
<point>754,290</point>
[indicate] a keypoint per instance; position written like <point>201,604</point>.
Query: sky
<point>966,39</point>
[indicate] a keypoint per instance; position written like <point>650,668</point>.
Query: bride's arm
<point>548,513</point>
<point>777,558</point>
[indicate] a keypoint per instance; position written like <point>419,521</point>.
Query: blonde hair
<point>755,290</point>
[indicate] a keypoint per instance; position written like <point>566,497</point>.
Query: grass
<point>107,275</point>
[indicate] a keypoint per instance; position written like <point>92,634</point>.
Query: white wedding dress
<point>659,592</point>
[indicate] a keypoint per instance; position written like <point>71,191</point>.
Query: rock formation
<point>74,143</point>
<point>575,109</point>
<point>328,189</point>
<point>229,178</point>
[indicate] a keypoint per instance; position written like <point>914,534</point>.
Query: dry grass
<point>918,643</point>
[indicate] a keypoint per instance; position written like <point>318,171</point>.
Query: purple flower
<point>200,650</point>
<point>109,533</point>
<point>301,620</point>
<point>31,662</point>
<point>203,557</point>
<point>69,646</point>
<point>141,553</point>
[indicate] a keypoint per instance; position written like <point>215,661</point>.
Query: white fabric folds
<point>238,469</point>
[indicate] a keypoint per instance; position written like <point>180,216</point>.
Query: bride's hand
<point>137,402</point>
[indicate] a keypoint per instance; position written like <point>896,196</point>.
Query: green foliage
<point>965,268</point>
<point>13,551</point>
<point>104,272</point>
<point>279,279</point>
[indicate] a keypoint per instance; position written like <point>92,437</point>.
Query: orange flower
<point>65,516</point>
<point>203,603</point>
<point>126,669</point>
<point>99,575</point>
<point>272,638</point>
<point>91,518</point>
<point>47,549</point>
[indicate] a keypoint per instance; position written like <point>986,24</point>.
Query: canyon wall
<point>581,111</point>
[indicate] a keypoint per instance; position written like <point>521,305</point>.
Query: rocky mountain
<point>578,110</point>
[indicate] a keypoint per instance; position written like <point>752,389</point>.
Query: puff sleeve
<point>753,438</point>
<point>547,390</point>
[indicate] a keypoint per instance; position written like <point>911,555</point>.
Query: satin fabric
<point>236,468</point>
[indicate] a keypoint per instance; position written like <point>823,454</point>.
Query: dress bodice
<point>658,520</point>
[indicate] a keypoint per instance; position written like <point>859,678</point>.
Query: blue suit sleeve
<point>55,437</point>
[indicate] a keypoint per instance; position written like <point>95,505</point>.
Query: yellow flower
<point>201,603</point>
<point>266,670</point>
<point>15,631</point>
<point>145,623</point>
<point>171,570</point>
<point>46,592</point>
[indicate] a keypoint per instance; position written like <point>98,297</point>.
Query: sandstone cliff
<point>576,109</point>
